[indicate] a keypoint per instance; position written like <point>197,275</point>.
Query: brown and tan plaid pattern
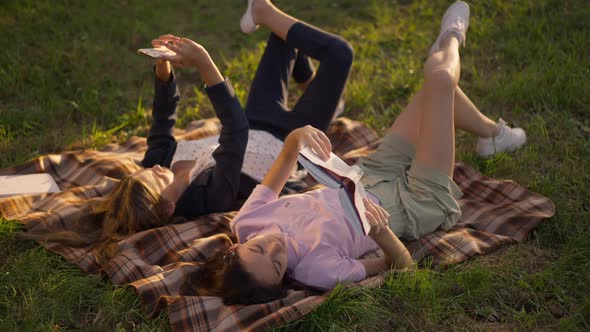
<point>159,262</point>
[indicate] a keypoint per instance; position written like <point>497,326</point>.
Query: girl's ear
<point>170,207</point>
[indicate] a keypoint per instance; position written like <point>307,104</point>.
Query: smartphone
<point>157,52</point>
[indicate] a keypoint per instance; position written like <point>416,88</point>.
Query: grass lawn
<point>70,78</point>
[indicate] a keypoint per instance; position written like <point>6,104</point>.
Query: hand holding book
<point>377,217</point>
<point>312,139</point>
<point>305,137</point>
<point>365,216</point>
<point>335,173</point>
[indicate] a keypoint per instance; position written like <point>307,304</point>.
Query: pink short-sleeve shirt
<point>322,247</point>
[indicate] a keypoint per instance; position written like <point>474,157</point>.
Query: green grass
<point>70,78</point>
<point>41,291</point>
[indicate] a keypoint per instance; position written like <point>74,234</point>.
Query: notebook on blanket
<point>159,262</point>
<point>40,183</point>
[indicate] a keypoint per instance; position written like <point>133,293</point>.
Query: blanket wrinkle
<point>158,263</point>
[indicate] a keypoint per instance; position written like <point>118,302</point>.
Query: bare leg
<point>436,145</point>
<point>265,13</point>
<point>428,122</point>
<point>407,124</point>
<point>469,118</point>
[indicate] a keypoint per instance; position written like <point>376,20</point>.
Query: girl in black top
<point>190,188</point>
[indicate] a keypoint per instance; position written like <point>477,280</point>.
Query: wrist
<point>163,71</point>
<point>202,59</point>
<point>381,234</point>
<point>208,71</point>
<point>292,141</point>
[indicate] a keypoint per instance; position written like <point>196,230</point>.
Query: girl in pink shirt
<point>306,236</point>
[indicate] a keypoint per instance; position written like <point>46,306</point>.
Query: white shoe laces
<point>504,130</point>
<point>459,29</point>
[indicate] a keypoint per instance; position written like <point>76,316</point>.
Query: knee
<point>441,78</point>
<point>437,73</point>
<point>342,53</point>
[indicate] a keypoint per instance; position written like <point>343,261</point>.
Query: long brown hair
<point>132,207</point>
<point>224,275</point>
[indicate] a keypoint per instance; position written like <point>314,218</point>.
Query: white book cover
<point>335,173</point>
<point>11,185</point>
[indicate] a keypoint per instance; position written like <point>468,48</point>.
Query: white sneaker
<point>508,140</point>
<point>247,23</point>
<point>456,21</point>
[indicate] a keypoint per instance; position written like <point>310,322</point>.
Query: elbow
<point>407,263</point>
<point>234,131</point>
<point>401,262</point>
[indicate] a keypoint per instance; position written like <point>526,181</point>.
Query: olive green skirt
<point>418,198</point>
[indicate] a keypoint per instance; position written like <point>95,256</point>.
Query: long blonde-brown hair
<point>132,207</point>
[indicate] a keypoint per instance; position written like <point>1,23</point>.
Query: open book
<point>38,183</point>
<point>335,173</point>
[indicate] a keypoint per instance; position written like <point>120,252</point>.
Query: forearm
<point>281,169</point>
<point>166,97</point>
<point>308,136</point>
<point>208,70</point>
<point>396,253</point>
<point>160,139</point>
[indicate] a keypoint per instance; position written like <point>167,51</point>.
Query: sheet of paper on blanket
<point>38,183</point>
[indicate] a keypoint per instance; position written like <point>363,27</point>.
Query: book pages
<point>334,164</point>
<point>335,173</point>
<point>320,173</point>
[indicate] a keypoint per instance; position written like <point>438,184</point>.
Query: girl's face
<point>265,258</point>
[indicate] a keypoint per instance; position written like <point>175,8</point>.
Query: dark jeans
<point>266,108</point>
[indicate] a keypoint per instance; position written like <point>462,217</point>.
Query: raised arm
<point>299,138</point>
<point>166,97</point>
<point>217,187</point>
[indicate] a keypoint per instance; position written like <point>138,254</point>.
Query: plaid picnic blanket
<point>159,262</point>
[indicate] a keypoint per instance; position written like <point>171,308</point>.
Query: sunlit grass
<point>70,78</point>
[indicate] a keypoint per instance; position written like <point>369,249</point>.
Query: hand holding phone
<point>183,52</point>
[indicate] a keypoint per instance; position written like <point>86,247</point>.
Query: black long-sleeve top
<point>215,189</point>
